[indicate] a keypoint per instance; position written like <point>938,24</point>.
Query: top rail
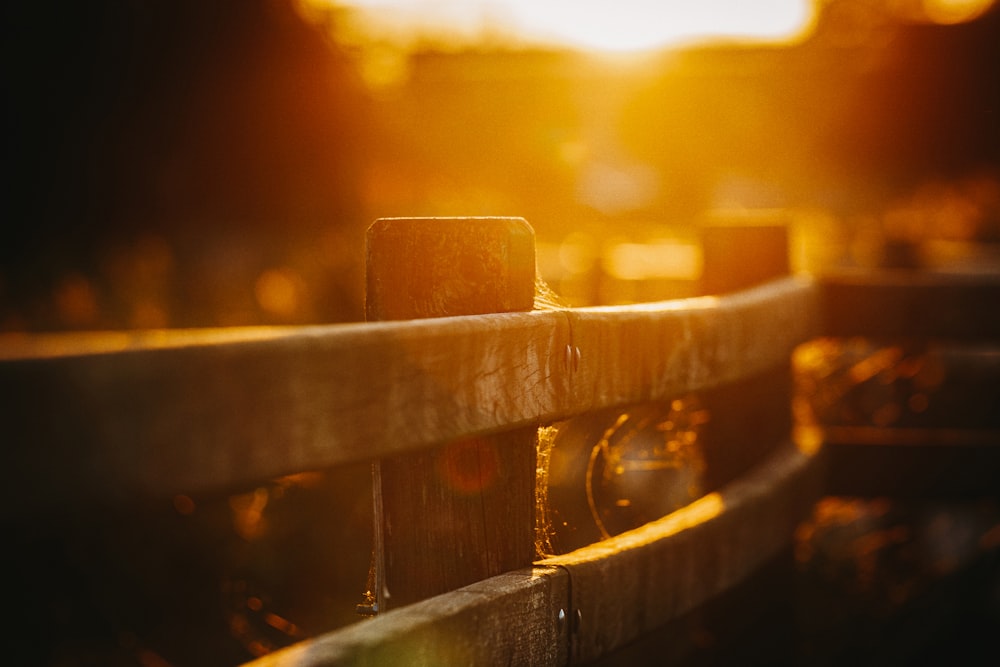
<point>132,416</point>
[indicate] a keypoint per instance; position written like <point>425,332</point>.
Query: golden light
<point>469,466</point>
<point>637,25</point>
<point>658,259</point>
<point>279,292</point>
<point>622,26</point>
<point>948,12</point>
<point>940,12</point>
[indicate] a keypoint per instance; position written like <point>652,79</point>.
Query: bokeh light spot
<point>469,466</point>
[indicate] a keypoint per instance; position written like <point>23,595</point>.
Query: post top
<point>438,267</point>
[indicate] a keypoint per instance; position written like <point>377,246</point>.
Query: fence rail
<point>155,414</point>
<point>578,607</point>
<point>110,419</point>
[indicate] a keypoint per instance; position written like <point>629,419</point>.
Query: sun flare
<point>636,25</point>
<point>622,26</point>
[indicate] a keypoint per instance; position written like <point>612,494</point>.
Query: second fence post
<point>464,511</point>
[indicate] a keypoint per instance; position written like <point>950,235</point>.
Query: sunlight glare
<point>637,25</point>
<point>948,12</point>
<point>623,26</point>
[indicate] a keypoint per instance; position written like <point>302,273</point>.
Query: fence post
<point>751,416</point>
<point>465,511</point>
<point>739,253</point>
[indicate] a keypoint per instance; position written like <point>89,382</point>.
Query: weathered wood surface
<point>129,416</point>
<point>609,593</point>
<point>510,619</point>
<point>639,580</point>
<point>439,267</point>
<point>902,304</point>
<point>463,512</point>
<point>630,354</point>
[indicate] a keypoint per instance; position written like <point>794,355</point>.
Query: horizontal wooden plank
<point>193,417</point>
<point>510,619</point>
<point>900,304</point>
<point>631,584</point>
<point>662,350</point>
<point>125,416</point>
<point>608,593</point>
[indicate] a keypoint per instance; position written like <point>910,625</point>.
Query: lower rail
<point>580,606</point>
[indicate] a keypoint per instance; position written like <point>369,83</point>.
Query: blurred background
<point>188,164</point>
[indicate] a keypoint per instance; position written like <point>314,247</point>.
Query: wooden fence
<point>101,420</point>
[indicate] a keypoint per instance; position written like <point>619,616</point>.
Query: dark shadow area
<point>208,580</point>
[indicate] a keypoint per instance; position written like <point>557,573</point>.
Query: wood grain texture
<point>464,511</point>
<point>510,619</point>
<point>438,267</point>
<point>639,580</point>
<point>635,353</point>
<point>622,587</point>
<point>126,419</point>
